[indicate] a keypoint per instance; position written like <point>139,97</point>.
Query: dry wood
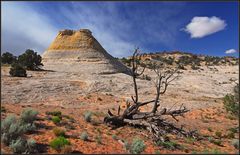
<point>152,120</point>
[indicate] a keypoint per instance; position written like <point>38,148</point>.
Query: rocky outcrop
<point>79,51</point>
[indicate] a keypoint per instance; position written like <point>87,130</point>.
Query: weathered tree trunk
<point>152,121</point>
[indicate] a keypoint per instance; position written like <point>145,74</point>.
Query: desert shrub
<point>185,60</point>
<point>7,122</point>
<point>28,115</point>
<point>67,149</point>
<point>98,139</point>
<point>231,102</point>
<point>84,136</point>
<point>233,130</point>
<point>195,67</point>
<point>54,113</point>
<point>30,60</point>
<point>87,116</point>
<point>230,135</point>
<point>168,61</point>
<point>12,133</point>
<point>137,146</point>
<point>59,143</point>
<point>218,134</point>
<point>181,67</point>
<point>27,118</point>
<point>126,61</point>
<point>213,151</point>
<point>217,142</point>
<point>17,70</point>
<point>189,140</point>
<point>168,144</point>
<point>114,137</point>
<point>235,143</point>
<point>21,145</point>
<point>59,132</point>
<point>236,93</point>
<point>11,129</point>
<point>157,152</point>
<point>126,145</point>
<point>209,129</point>
<point>56,119</point>
<point>8,58</point>
<point>146,77</point>
<point>3,109</point>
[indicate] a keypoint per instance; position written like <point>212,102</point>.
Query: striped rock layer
<point>79,51</point>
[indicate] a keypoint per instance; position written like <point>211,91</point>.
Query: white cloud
<point>23,28</point>
<point>202,26</point>
<point>230,51</point>
<point>32,25</point>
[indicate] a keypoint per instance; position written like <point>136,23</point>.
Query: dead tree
<point>152,120</point>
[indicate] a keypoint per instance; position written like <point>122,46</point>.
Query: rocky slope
<point>79,51</point>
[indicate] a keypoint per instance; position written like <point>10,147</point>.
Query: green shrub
<point>195,67</point>
<point>30,60</point>
<point>54,113</point>
<point>230,135</point>
<point>59,143</point>
<point>17,70</point>
<point>190,140</point>
<point>84,136</point>
<point>27,118</point>
<point>88,116</point>
<point>56,119</point>
<point>8,58</point>
<point>137,146</point>
<point>59,132</point>
<point>231,102</point>
<point>98,139</point>
<point>181,67</point>
<point>168,144</point>
<point>214,151</point>
<point>28,115</point>
<point>209,129</point>
<point>234,130</point>
<point>217,142</point>
<point>218,134</point>
<point>157,152</point>
<point>114,137</point>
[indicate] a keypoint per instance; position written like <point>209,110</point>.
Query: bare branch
<point>119,110</point>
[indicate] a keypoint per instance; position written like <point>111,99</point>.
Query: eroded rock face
<point>79,51</point>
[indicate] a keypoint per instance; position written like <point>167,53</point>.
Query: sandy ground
<point>73,94</point>
<point>195,89</point>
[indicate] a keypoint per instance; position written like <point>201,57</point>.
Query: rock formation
<point>79,51</point>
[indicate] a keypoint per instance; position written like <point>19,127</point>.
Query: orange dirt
<point>212,118</point>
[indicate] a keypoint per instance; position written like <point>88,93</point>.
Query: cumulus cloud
<point>230,51</point>
<point>203,26</point>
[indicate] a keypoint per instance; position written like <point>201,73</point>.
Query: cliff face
<point>79,51</point>
<point>75,40</point>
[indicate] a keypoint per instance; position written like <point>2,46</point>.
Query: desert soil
<point>201,91</point>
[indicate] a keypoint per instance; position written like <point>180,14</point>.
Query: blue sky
<point>199,27</point>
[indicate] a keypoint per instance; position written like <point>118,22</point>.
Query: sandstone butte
<point>79,51</point>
